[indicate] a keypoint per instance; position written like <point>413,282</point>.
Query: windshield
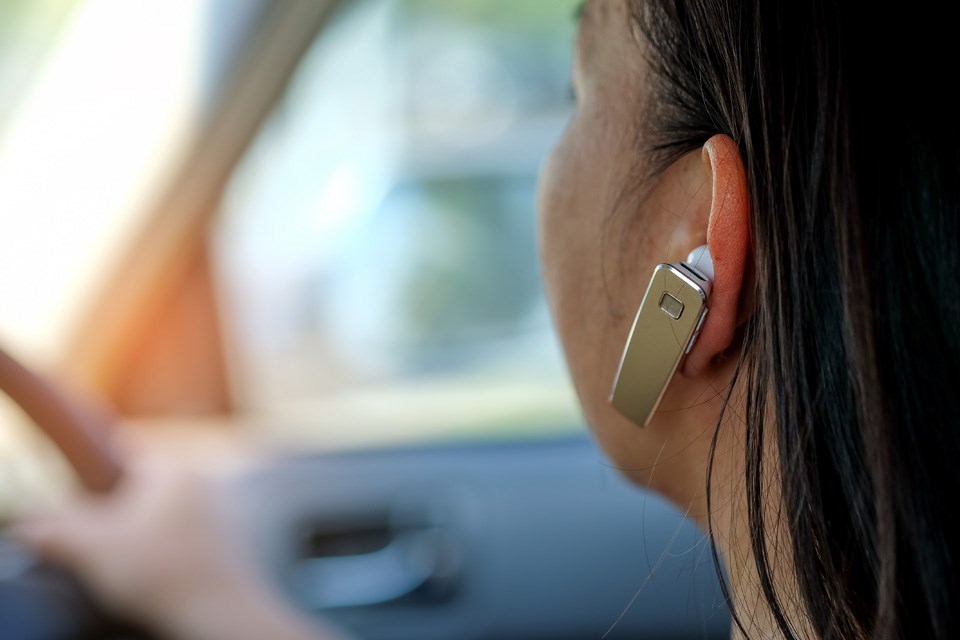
<point>376,249</point>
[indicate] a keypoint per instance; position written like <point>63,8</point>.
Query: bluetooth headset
<point>664,331</point>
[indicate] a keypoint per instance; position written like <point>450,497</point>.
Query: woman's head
<point>820,159</point>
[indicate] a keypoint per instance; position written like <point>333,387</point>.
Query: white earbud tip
<point>701,260</point>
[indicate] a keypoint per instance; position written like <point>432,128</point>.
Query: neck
<point>729,525</point>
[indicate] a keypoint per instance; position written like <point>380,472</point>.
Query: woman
<point>810,430</point>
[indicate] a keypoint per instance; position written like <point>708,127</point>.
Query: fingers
<point>83,528</point>
<point>57,536</point>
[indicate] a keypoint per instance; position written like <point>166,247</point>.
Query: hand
<point>159,550</point>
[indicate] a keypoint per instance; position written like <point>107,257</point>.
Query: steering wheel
<point>40,601</point>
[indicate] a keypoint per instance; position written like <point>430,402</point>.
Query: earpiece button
<point>671,306</point>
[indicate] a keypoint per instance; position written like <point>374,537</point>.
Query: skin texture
<point>602,233</point>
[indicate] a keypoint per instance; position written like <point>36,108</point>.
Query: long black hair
<point>850,136</point>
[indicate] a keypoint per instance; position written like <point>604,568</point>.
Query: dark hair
<point>849,136</point>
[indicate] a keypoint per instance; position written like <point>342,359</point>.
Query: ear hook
<point>701,260</point>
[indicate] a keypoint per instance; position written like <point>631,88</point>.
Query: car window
<point>376,250</point>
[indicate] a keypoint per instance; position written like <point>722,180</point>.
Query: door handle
<point>410,562</point>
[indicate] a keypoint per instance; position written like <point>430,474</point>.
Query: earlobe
<point>728,237</point>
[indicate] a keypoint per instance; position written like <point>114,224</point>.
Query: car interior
<point>295,243</point>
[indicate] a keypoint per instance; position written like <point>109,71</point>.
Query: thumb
<point>55,536</point>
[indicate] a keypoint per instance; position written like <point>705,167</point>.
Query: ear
<point>728,236</point>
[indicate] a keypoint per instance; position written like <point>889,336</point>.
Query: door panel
<point>512,540</point>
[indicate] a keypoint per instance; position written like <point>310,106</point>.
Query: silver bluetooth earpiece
<point>665,329</point>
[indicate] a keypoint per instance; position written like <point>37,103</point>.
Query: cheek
<point>579,257</point>
<point>563,223</point>
<point>596,261</point>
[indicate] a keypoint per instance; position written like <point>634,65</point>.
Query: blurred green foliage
<point>481,273</point>
<point>531,16</point>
